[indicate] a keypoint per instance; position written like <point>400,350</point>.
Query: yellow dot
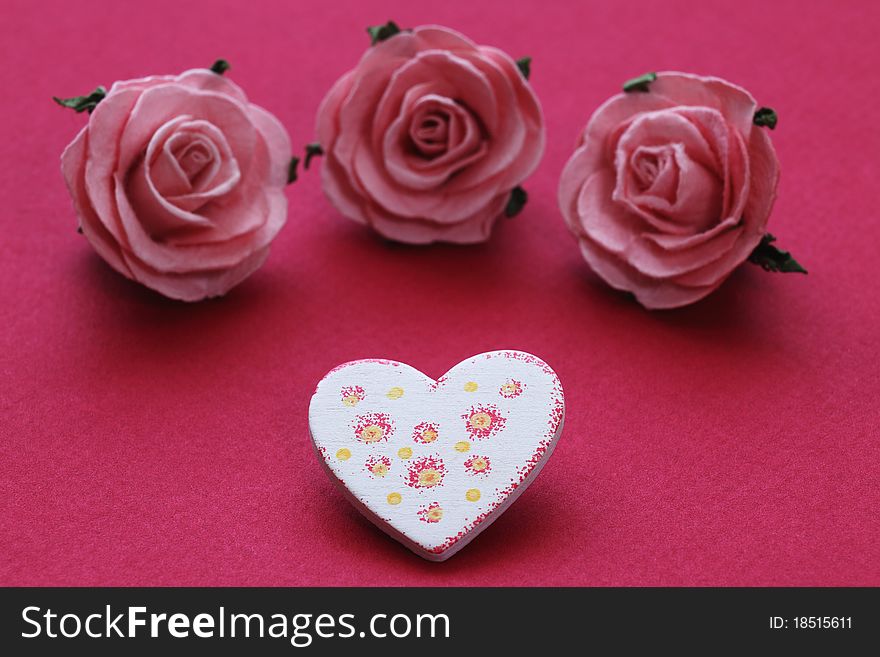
<point>404,452</point>
<point>462,446</point>
<point>470,386</point>
<point>343,454</point>
<point>394,498</point>
<point>472,495</point>
<point>395,393</point>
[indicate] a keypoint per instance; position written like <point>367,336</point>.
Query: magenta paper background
<point>734,442</point>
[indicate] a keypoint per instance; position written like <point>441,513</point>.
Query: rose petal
<point>652,260</point>
<point>340,190</point>
<point>139,84</point>
<point>656,294</point>
<point>102,156</point>
<point>764,180</point>
<point>360,105</point>
<point>198,285</point>
<point>472,230</point>
<point>571,181</point>
<point>445,207</point>
<point>699,195</point>
<point>605,222</point>
<point>335,182</point>
<point>73,168</point>
<point>327,121</point>
<point>277,143</point>
<point>733,102</point>
<point>517,143</point>
<point>670,242</point>
<point>730,153</point>
<point>436,37</point>
<point>207,80</point>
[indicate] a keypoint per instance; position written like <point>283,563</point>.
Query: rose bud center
<point>187,165</point>
<point>441,126</point>
<point>195,157</point>
<point>431,134</point>
<point>670,184</point>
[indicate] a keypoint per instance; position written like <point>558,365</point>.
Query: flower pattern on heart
<point>378,466</point>
<point>373,428</point>
<point>478,465</point>
<point>425,472</point>
<point>511,389</point>
<point>352,395</point>
<point>483,421</point>
<point>431,513</point>
<point>425,432</point>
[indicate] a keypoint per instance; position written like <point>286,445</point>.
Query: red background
<point>146,441</point>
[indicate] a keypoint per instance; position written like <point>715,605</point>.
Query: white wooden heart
<point>433,463</point>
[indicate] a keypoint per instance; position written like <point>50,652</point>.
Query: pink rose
<point>179,182</point>
<point>426,138</point>
<point>670,188</point>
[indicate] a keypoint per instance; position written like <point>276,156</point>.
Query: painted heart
<point>433,463</point>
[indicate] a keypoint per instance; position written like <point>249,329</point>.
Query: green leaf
<point>382,32</point>
<point>83,103</point>
<point>524,64</point>
<point>771,258</point>
<point>516,202</point>
<point>220,67</point>
<point>312,150</point>
<point>766,118</point>
<point>291,170</point>
<point>640,83</point>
